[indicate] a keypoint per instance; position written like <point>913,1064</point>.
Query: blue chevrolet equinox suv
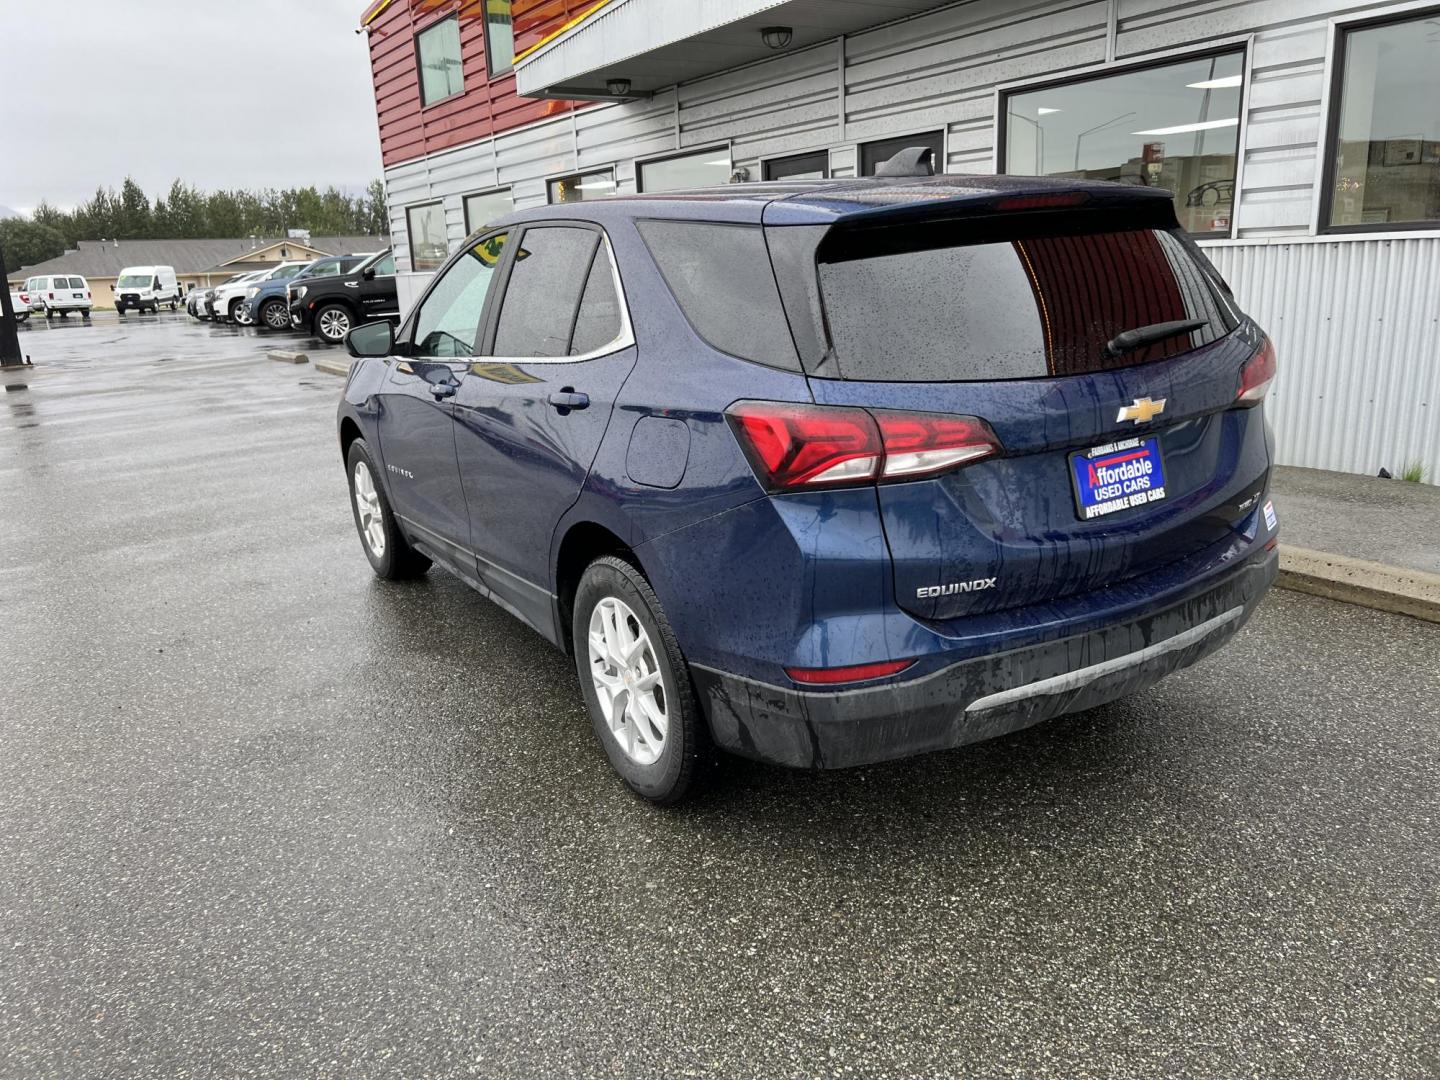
<point>829,473</point>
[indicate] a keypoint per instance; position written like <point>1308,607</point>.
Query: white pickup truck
<point>20,304</point>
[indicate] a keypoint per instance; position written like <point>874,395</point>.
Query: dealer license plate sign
<point>1117,476</point>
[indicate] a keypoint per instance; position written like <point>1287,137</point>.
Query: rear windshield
<point>1044,305</point>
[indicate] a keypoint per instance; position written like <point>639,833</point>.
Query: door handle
<point>568,399</point>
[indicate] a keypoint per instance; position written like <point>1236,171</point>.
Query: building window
<point>429,244</point>
<point>814,166</point>
<point>487,206</point>
<point>581,186</point>
<point>1175,126</point>
<point>873,153</point>
<point>499,37</point>
<point>1385,168</point>
<point>702,168</point>
<point>441,70</point>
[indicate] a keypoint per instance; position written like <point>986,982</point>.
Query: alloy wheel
<point>334,325</point>
<point>276,317</point>
<point>367,506</point>
<point>628,682</point>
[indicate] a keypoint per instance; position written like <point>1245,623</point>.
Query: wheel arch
<point>583,542</point>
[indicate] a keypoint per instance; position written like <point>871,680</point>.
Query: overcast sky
<point>264,93</point>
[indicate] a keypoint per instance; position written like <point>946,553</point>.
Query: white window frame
<point>672,155</point>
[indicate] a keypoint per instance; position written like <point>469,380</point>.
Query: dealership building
<point>1301,140</point>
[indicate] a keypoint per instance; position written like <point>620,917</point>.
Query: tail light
<point>52,296</point>
<point>1257,375</point>
<point>856,673</point>
<point>793,447</point>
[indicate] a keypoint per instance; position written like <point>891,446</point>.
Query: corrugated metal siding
<point>1356,326</point>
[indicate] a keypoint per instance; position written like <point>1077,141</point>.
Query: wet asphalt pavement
<point>264,815</point>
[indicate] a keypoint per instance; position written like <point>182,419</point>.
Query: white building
<point>1302,139</point>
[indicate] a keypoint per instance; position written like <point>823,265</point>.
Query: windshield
<point>320,268</point>
<point>134,281</point>
<point>383,263</point>
<point>1044,305</point>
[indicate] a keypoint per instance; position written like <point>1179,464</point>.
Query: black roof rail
<point>912,161</point>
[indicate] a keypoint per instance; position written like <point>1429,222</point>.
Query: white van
<point>146,288</point>
<point>59,294</point>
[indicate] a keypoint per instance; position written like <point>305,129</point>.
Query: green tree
<point>135,219</point>
<point>374,218</point>
<point>28,242</point>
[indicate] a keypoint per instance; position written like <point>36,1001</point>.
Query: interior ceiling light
<point>776,37</point>
<point>1180,129</point>
<point>1043,111</point>
<point>1215,84</point>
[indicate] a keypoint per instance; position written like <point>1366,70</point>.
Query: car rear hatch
<point>1111,456</point>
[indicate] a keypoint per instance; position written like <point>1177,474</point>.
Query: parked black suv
<point>329,307</point>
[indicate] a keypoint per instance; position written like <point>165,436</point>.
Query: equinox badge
<point>1142,410</point>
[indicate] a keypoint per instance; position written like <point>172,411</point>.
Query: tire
<point>172,305</point>
<point>610,587</point>
<point>395,559</point>
<point>49,314</point>
<point>333,322</point>
<point>274,315</point>
<point>232,311</point>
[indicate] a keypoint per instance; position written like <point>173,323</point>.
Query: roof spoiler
<point>912,161</point>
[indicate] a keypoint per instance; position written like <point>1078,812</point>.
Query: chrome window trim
<point>623,340</point>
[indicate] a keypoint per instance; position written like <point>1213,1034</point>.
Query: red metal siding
<point>408,131</point>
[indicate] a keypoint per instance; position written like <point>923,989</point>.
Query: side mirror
<point>369,275</point>
<point>371,339</point>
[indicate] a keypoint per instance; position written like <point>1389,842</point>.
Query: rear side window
<point>598,321</point>
<point>720,274</point>
<point>1044,305</point>
<point>549,274</point>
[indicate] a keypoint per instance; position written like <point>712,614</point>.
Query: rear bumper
<point>982,697</point>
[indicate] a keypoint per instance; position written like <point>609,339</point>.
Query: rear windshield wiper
<point>1147,335</point>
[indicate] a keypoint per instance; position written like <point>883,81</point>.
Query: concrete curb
<point>1358,581</point>
<point>286,357</point>
<point>333,367</point>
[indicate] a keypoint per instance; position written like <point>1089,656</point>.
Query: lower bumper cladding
<point>980,698</point>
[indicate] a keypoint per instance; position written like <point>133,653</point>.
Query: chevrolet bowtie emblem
<point>1142,410</point>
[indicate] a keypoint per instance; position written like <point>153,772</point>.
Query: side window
<point>550,271</point>
<point>721,276</point>
<point>385,266</point>
<point>597,322</point>
<point>448,323</point>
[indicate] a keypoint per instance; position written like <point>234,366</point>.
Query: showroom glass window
<point>429,244</point>
<point>1385,168</point>
<point>704,168</point>
<point>814,166</point>
<point>485,207</point>
<point>1174,125</point>
<point>873,153</point>
<point>437,50</point>
<point>581,186</point>
<point>499,37</point>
